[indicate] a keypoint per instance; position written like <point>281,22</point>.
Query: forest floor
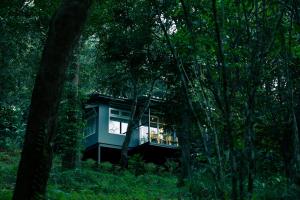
<point>140,182</point>
<point>107,182</point>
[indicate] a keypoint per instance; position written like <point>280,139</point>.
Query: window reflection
<point>91,126</point>
<point>114,127</point>
<point>124,127</point>
<point>160,132</point>
<point>118,121</point>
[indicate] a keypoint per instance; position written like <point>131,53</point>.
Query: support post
<point>149,118</point>
<point>99,154</point>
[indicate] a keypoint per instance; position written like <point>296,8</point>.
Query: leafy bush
<point>136,164</point>
<point>150,168</point>
<point>89,163</point>
<point>171,166</point>
<point>200,187</point>
<point>276,187</point>
<point>5,194</point>
<point>8,169</point>
<point>11,127</point>
<point>106,166</point>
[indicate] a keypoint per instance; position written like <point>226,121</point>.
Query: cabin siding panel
<point>108,138</point>
<point>91,140</point>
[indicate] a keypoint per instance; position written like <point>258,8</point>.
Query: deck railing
<point>160,138</point>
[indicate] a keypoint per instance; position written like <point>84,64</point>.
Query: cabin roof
<point>97,98</point>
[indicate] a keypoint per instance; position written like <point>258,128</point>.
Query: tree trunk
<point>250,137</point>
<point>36,158</point>
<point>296,149</point>
<point>129,131</point>
<point>185,88</point>
<point>124,150</point>
<point>290,83</point>
<point>70,158</point>
<point>132,124</point>
<point>227,106</point>
<point>136,116</point>
<point>183,133</point>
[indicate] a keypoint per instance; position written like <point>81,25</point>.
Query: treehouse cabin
<point>107,121</point>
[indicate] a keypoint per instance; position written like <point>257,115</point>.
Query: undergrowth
<point>92,182</point>
<point>142,181</point>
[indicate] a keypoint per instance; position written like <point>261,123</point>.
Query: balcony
<point>158,136</point>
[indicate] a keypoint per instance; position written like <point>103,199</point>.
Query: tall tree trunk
<point>296,148</point>
<point>185,88</point>
<point>36,159</point>
<point>130,128</point>
<point>295,131</point>
<point>136,116</point>
<point>132,124</point>
<point>70,158</point>
<point>183,134</point>
<point>227,107</point>
<point>205,102</point>
<point>250,137</point>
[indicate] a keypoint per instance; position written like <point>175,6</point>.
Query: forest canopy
<point>227,71</point>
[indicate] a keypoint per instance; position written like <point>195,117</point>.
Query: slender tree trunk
<point>241,175</point>
<point>183,134</point>
<point>70,158</point>
<point>36,158</point>
<point>295,131</point>
<point>205,103</point>
<point>124,150</point>
<point>130,128</point>
<point>132,124</point>
<point>296,148</point>
<point>136,116</point>
<point>250,140</point>
<point>189,102</point>
<point>227,107</point>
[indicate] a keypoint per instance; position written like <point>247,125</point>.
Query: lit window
<point>118,121</point>
<point>114,127</point>
<point>124,126</point>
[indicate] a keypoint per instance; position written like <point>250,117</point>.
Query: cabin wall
<point>107,138</point>
<point>92,139</point>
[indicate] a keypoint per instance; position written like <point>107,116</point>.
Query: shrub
<point>106,166</point>
<point>5,194</point>
<point>150,168</point>
<point>89,163</point>
<point>136,164</point>
<point>171,166</point>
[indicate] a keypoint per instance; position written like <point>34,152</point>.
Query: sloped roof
<point>98,98</point>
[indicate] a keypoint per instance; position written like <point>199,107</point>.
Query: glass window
<point>160,132</point>
<point>91,126</point>
<point>126,114</point>
<point>153,130</point>
<point>114,112</point>
<point>124,126</point>
<point>118,121</point>
<point>144,134</point>
<point>114,127</point>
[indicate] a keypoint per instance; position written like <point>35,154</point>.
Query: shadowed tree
<point>36,160</point>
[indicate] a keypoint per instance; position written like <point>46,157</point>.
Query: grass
<point>140,182</point>
<point>93,182</point>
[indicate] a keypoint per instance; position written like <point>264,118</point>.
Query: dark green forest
<point>227,70</point>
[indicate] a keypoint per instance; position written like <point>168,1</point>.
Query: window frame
<point>119,118</point>
<point>92,116</point>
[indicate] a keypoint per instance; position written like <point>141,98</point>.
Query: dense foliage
<point>228,70</point>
